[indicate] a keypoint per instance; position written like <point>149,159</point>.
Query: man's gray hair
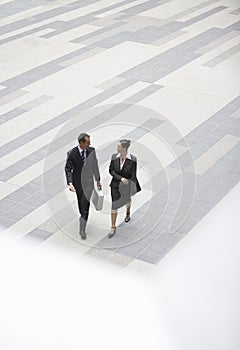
<point>82,137</point>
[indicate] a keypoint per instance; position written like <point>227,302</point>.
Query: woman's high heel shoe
<point>112,232</point>
<point>127,218</point>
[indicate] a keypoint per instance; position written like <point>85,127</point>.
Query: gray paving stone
<point>192,9</point>
<point>236,114</point>
<point>49,226</point>
<point>44,15</point>
<point>152,33</point>
<point>167,240</point>
<point>186,225</point>
<point>63,117</point>
<point>8,205</point>
<point>236,12</point>
<point>96,33</point>
<point>21,210</point>
<point>22,35</point>
<point>234,26</point>
<point>31,76</point>
<point>10,94</point>
<point>205,15</point>
<point>76,22</point>
<point>113,244</point>
<point>114,39</point>
<point>153,254</point>
<point>16,112</point>
<point>228,36</point>
<point>223,56</point>
<point>36,102</point>
<point>235,169</point>
<point>36,200</point>
<point>147,5</point>
<point>141,95</point>
<point>5,221</point>
<point>109,256</point>
<point>14,7</point>
<point>37,234</point>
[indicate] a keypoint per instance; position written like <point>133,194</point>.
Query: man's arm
<point>95,167</point>
<point>69,168</point>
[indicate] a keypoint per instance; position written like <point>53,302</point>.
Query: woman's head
<point>123,145</point>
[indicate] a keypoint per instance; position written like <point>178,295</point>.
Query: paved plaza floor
<point>162,73</point>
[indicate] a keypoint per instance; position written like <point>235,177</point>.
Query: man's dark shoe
<point>83,235</point>
<point>82,228</point>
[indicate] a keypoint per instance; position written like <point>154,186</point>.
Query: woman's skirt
<point>120,196</point>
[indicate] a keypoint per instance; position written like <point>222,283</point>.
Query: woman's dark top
<point>128,171</point>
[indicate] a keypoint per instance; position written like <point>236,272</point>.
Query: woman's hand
<point>124,181</point>
<point>99,185</point>
<point>71,188</point>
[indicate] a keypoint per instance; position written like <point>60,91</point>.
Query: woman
<point>124,184</point>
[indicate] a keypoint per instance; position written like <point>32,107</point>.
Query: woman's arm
<point>113,172</point>
<point>133,177</point>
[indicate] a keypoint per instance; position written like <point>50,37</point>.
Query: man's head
<point>84,140</point>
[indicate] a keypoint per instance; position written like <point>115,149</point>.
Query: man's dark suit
<point>81,176</point>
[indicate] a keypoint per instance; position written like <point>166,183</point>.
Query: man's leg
<point>82,222</point>
<point>84,199</point>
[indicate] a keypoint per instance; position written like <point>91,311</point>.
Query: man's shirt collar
<point>80,149</point>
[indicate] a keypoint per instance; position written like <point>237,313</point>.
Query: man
<point>81,166</point>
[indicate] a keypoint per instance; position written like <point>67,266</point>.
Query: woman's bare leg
<point>128,207</point>
<point>114,217</point>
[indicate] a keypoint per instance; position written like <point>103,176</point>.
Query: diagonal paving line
<point>66,138</point>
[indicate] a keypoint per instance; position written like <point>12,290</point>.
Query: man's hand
<point>99,185</point>
<point>71,188</point>
<point>124,181</point>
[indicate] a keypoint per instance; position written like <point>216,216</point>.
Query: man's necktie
<point>83,157</point>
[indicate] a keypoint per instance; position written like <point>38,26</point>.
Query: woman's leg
<point>128,207</point>
<point>114,217</point>
<point>115,194</point>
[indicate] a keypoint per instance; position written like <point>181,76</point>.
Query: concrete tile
<point>6,221</point>
<point>38,235</point>
<point>205,15</point>
<point>223,56</point>
<point>11,115</point>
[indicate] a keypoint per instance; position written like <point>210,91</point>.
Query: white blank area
<point>198,282</point>
<point>189,301</point>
